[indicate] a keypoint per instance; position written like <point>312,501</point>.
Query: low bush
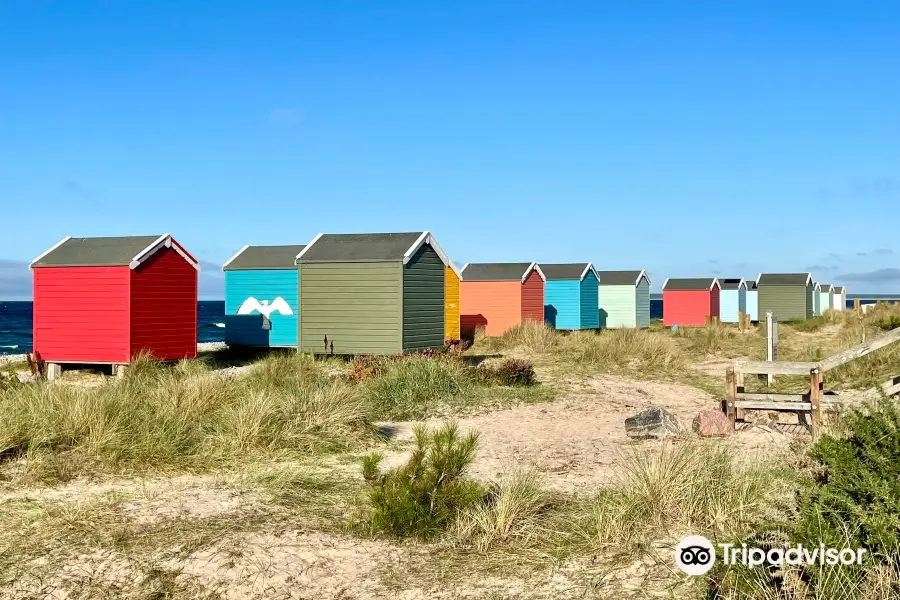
<point>423,497</point>
<point>851,499</point>
<point>515,372</point>
<point>857,487</point>
<point>363,368</point>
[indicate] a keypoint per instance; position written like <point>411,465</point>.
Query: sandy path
<point>575,442</point>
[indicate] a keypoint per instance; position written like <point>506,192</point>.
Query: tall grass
<point>622,348</point>
<point>715,338</point>
<point>413,387</point>
<point>511,511</point>
<point>159,417</point>
<point>688,486</point>
<point>531,337</point>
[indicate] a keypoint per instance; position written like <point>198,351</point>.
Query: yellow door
<point>451,308</point>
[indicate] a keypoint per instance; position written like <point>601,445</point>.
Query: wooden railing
<point>737,400</point>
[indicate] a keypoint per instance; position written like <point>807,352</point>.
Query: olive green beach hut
<point>788,295</point>
<point>371,293</point>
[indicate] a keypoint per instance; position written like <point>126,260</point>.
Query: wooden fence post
<point>730,395</point>
<point>740,321</point>
<point>815,402</point>
<point>856,305</point>
<point>771,342</point>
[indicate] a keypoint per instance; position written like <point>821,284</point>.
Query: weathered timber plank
<point>891,387</point>
<point>761,405</point>
<point>776,367</point>
<point>860,350</point>
<point>773,397</point>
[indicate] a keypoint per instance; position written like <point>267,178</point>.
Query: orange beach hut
<point>497,296</point>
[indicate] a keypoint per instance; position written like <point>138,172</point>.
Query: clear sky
<point>687,138</point>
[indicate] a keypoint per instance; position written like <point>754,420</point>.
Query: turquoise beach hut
<point>570,296</point>
<point>624,299</point>
<point>752,301</point>
<point>261,304</point>
<point>732,300</point>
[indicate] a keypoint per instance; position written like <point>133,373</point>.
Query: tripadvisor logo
<point>695,555</point>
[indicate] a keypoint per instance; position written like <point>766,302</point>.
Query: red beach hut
<point>106,299</point>
<point>689,302</point>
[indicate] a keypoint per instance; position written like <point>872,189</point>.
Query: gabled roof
<point>127,251</point>
<point>784,278</point>
<point>825,287</point>
<point>621,277</point>
<point>694,284</point>
<point>499,271</point>
<point>368,247</point>
<point>752,286</point>
<point>567,271</point>
<point>838,289</point>
<point>263,257</point>
<point>733,284</point>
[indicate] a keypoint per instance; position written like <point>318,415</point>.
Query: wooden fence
<point>812,402</point>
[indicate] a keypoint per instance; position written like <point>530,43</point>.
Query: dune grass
<point>181,417</point>
<point>684,487</point>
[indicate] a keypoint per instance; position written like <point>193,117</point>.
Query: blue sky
<point>689,139</point>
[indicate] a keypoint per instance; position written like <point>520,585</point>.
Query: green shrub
<point>857,486</point>
<point>515,372</point>
<point>851,500</point>
<point>421,498</point>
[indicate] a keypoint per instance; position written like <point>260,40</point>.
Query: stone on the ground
<point>712,423</point>
<point>653,423</point>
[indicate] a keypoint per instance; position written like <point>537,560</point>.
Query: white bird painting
<point>251,305</point>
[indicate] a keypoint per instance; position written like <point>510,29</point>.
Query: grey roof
<point>264,257</point>
<point>560,271</point>
<point>825,287</point>
<point>784,278</point>
<point>839,289</point>
<point>730,284</point>
<point>95,252</point>
<point>697,283</point>
<point>494,271</point>
<point>359,247</point>
<point>752,286</point>
<point>619,277</point>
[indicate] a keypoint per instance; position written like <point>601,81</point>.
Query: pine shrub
<point>423,497</point>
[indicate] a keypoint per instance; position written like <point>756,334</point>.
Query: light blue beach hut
<point>261,304</point>
<point>825,297</point>
<point>732,300</point>
<point>752,301</point>
<point>570,296</point>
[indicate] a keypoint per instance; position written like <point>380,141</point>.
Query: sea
<point>15,321</point>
